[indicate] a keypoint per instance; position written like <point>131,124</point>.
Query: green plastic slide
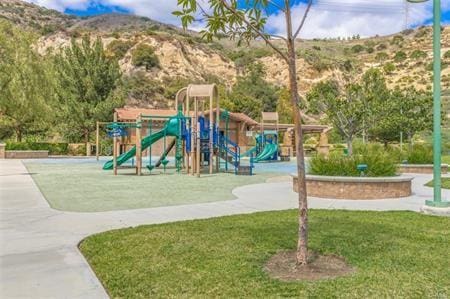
<point>268,152</point>
<point>170,129</point>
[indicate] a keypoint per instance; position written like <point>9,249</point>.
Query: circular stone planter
<point>356,187</point>
<point>420,168</point>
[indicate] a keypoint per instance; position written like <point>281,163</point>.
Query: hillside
<point>35,17</point>
<point>405,57</point>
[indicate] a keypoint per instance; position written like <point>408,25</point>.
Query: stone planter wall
<point>26,154</point>
<point>356,187</point>
<point>420,168</point>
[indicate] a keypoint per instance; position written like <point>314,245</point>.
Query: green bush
<point>400,56</point>
<point>144,55</point>
<point>447,54</point>
<point>379,163</point>
<point>418,54</point>
<point>118,48</point>
<point>389,68</point>
<point>52,148</point>
<point>381,56</point>
<point>357,48</point>
<point>420,154</point>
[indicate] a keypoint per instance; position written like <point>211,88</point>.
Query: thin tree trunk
<point>19,135</point>
<point>350,146</point>
<point>302,243</point>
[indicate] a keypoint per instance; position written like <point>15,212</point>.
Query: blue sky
<point>328,18</point>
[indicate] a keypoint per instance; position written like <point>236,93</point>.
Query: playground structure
<point>267,141</point>
<point>200,145</point>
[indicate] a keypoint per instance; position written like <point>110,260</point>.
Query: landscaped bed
<point>396,254</point>
<point>445,183</point>
<point>370,173</point>
<point>85,187</point>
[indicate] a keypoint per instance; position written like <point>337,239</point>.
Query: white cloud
<point>352,17</point>
<point>328,18</point>
<point>62,4</point>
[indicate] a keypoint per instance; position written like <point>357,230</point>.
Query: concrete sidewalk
<point>39,257</point>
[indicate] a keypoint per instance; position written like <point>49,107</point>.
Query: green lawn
<point>397,254</point>
<point>445,183</point>
<point>85,187</point>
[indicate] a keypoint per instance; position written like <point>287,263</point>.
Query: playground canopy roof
<point>131,114</point>
<point>239,117</point>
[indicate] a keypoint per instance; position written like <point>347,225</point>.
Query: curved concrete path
<point>39,257</point>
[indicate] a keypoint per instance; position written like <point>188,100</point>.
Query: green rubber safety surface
<point>88,188</point>
<point>396,255</point>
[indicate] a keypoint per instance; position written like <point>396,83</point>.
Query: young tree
<point>86,79</point>
<point>25,85</point>
<point>344,108</point>
<point>244,21</point>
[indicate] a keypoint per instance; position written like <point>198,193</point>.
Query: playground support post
<point>211,134</point>
<point>138,145</point>
<point>198,145</point>
<point>115,148</point>
<point>97,141</point>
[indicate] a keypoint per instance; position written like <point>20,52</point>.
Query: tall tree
<point>244,21</point>
<point>403,111</point>
<point>344,107</point>
<point>25,85</point>
<point>252,94</point>
<point>87,78</point>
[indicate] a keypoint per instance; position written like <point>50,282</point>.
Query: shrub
<point>397,40</point>
<point>144,55</point>
<point>389,68</point>
<point>357,48</point>
<point>118,48</point>
<point>381,47</point>
<point>379,163</point>
<point>52,148</point>
<point>420,154</point>
<point>418,54</point>
<point>381,56</point>
<point>400,56</point>
<point>447,54</point>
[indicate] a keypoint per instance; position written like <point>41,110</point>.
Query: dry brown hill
<point>405,57</point>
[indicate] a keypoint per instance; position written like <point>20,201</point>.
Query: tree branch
<point>303,19</point>
<point>255,30</point>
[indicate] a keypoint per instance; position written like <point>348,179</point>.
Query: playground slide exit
<point>170,129</point>
<point>269,150</point>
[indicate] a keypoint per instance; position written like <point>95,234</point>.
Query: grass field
<point>85,187</point>
<point>445,183</point>
<point>397,255</point>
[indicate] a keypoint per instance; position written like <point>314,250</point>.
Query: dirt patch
<point>283,266</point>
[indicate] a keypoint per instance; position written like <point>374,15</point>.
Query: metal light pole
<point>437,200</point>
